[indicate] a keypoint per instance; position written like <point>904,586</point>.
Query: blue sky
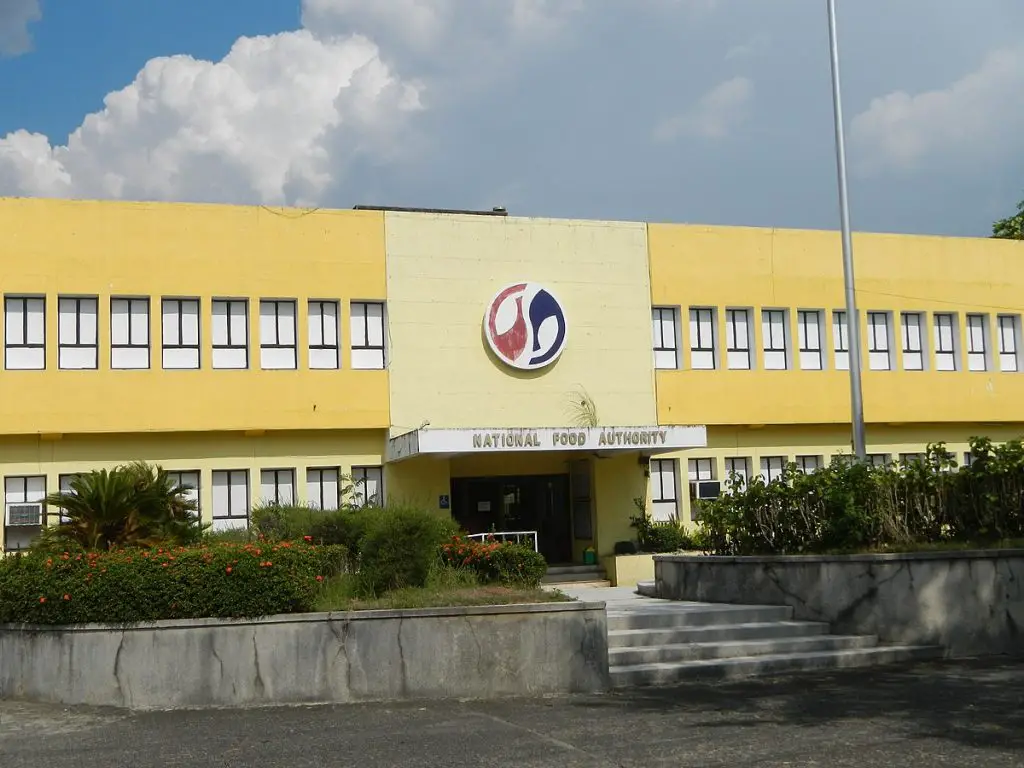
<point>712,111</point>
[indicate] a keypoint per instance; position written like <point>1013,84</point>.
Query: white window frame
<point>775,339</point>
<point>737,339</point>
<point>360,477</point>
<point>947,356</point>
<point>739,465</point>
<point>664,483</point>
<point>78,344</point>
<point>810,463</point>
<point>772,467</point>
<point>1009,343</point>
<point>841,339</point>
<point>191,479</point>
<point>808,324</point>
<point>129,345</point>
<point>180,343</point>
<point>25,495</point>
<point>702,476</point>
<point>879,459</point>
<point>229,351</point>
<point>703,345</point>
<point>324,334</point>
<point>319,481</point>
<point>234,518</point>
<point>279,350</point>
<point>24,333</point>
<point>368,335</point>
<point>879,340</point>
<point>906,459</point>
<point>277,486</point>
<point>978,346</point>
<point>914,357</point>
<point>665,330</point>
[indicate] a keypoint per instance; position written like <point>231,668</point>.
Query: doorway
<point>518,503</point>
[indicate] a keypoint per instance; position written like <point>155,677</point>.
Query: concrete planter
<point>480,652</point>
<point>630,570</point>
<point>970,603</point>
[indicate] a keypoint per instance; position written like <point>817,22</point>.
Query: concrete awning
<point>645,440</point>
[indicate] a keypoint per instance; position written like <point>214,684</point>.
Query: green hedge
<point>850,506</point>
<point>132,586</point>
<point>494,562</point>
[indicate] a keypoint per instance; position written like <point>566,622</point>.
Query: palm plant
<point>131,505</point>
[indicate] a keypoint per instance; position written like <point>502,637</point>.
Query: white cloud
<point>980,115</point>
<point>15,17</point>
<point>719,111</point>
<point>275,121</point>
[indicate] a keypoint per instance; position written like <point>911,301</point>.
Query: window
<point>666,340</point>
<point>230,499</point>
<point>367,325</point>
<point>277,486</point>
<point>808,325</point>
<point>906,459</point>
<point>913,347</point>
<point>809,464</point>
<point>322,487</point>
<point>945,342</point>
<point>977,342</point>
<point>23,510</point>
<point>180,334</point>
<point>77,336</point>
<point>368,486</point>
<point>841,340</point>
<point>1009,333</point>
<point>968,458</point>
<point>187,479</point>
<point>277,335</point>
<point>772,467</point>
<point>323,335</point>
<point>664,490</point>
<point>879,349</point>
<point>737,332</point>
<point>879,459</point>
<point>773,329</point>
<point>702,338</point>
<point>737,470</point>
<point>230,333</point>
<point>24,333</point>
<point>129,333</point>
<point>702,479</point>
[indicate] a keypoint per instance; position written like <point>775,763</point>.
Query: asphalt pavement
<point>929,715</point>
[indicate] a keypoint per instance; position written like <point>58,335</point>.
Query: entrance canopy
<point>645,440</point>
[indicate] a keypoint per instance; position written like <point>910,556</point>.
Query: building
<point>461,362</point>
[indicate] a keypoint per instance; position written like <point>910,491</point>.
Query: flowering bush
<point>495,562</point>
<point>138,585</point>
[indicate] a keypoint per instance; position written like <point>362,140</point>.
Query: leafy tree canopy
<point>1012,227</point>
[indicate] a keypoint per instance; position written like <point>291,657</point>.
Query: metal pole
<point>852,319</point>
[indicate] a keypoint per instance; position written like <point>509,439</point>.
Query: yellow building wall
<point>104,249</point>
<point>725,267</point>
<point>443,270</point>
<point>34,456</point>
<point>618,481</point>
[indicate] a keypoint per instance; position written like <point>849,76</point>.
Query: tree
<point>130,505</point>
<point>1011,228</point>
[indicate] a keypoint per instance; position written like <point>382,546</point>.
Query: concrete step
<point>576,584</point>
<point>763,630</point>
<point>679,614</point>
<point>655,654</point>
<point>579,575</point>
<point>667,673</point>
<point>647,588</point>
<point>563,569</point>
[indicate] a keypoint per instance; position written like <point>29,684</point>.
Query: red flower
<point>228,569</point>
<point>67,597</point>
<point>307,538</point>
<point>319,578</point>
<point>42,599</point>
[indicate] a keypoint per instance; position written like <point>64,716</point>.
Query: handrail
<point>516,536</point>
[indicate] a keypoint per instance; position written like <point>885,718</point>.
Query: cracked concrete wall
<point>478,653</point>
<point>970,603</point>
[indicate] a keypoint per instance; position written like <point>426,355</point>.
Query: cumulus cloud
<point>716,114</point>
<point>15,17</point>
<point>979,115</point>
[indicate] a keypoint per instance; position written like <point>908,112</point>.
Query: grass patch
<point>446,587</point>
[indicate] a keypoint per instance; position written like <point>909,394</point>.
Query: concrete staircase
<point>577,576</point>
<point>660,642</point>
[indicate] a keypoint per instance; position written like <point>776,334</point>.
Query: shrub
<point>397,547</point>
<point>658,536</point>
<point>132,586</point>
<point>283,522</point>
<point>130,505</point>
<point>495,562</point>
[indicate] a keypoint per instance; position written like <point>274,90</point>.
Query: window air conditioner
<point>25,515</point>
<point>705,489</point>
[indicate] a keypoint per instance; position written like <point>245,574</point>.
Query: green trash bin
<point>589,556</point>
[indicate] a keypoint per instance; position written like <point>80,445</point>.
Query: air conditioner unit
<point>25,515</point>
<point>705,489</point>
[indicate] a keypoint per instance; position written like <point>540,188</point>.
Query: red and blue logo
<point>525,326</point>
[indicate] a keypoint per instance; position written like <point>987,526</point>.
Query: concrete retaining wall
<point>971,603</point>
<point>481,652</point>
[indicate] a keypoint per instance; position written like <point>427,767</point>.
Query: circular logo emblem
<point>525,326</point>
